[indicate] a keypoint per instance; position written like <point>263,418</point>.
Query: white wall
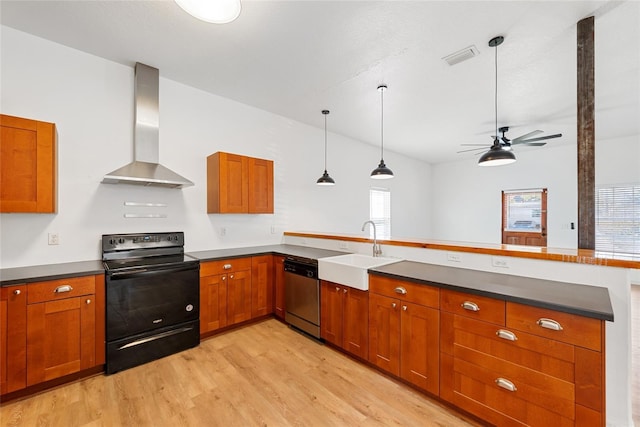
<point>91,102</point>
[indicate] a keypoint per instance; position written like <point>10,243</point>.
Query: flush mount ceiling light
<point>497,154</point>
<point>325,179</point>
<point>215,12</point>
<point>382,171</point>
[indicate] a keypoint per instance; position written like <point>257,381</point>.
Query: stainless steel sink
<point>350,269</point>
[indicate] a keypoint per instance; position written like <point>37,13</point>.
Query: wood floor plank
<point>264,374</point>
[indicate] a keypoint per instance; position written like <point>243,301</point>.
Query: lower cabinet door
<point>213,303</point>
<point>60,338</point>
<point>384,333</point>
<point>238,296</point>
<point>419,346</point>
<point>331,313</point>
<point>355,325</point>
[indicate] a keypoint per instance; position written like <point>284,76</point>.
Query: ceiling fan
<point>506,143</point>
<point>500,152</point>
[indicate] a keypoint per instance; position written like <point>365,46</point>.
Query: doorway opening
<point>524,217</point>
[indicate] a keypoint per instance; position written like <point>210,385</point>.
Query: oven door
<point>141,300</point>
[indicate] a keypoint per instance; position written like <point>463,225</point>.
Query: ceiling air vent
<point>461,55</point>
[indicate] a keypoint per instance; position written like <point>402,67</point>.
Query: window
<point>618,219</point>
<point>380,211</point>
<point>523,210</point>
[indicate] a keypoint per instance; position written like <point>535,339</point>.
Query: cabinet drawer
<point>60,289</point>
<point>223,266</point>
<point>406,291</point>
<point>474,306</point>
<point>540,354</point>
<point>565,327</point>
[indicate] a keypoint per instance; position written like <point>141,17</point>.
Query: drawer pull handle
<point>400,290</point>
<point>506,384</point>
<point>471,306</point>
<point>17,292</point>
<point>226,266</point>
<point>549,324</point>
<point>506,335</point>
<point>63,288</point>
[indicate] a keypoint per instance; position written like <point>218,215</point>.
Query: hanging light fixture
<point>325,179</point>
<point>497,154</point>
<point>382,171</point>
<point>215,12</point>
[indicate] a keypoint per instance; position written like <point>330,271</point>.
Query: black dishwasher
<point>302,294</point>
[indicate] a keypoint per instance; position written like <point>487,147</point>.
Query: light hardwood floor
<point>261,375</point>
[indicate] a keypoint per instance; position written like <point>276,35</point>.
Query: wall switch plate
<point>454,257</point>
<point>273,229</point>
<point>343,245</point>
<point>54,238</point>
<point>500,262</point>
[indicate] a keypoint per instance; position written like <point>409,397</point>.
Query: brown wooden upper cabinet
<point>239,184</point>
<point>27,166</point>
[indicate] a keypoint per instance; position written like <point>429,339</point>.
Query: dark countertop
<point>17,275</point>
<point>292,250</point>
<point>584,300</point>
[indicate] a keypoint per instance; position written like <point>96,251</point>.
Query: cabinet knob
<point>17,292</point>
<point>393,305</point>
<point>88,301</point>
<point>337,289</point>
<point>344,290</point>
<point>231,276</point>
<point>224,277</point>
<point>404,307</point>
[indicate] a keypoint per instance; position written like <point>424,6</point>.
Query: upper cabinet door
<point>260,186</point>
<point>27,166</point>
<point>227,178</point>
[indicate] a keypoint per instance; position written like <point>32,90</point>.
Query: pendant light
<point>214,12</point>
<point>382,171</point>
<point>325,179</point>
<point>497,154</point>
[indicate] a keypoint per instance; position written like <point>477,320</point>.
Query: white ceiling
<point>296,58</point>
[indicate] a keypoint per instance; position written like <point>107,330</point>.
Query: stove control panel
<point>121,242</point>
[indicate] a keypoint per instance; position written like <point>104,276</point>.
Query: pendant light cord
<point>325,140</point>
<point>495,100</point>
<point>382,124</point>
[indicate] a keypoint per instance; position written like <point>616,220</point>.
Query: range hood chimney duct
<point>145,169</point>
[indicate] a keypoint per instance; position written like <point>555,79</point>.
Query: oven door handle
<point>154,270</point>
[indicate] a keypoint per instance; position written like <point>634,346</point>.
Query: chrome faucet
<point>377,250</point>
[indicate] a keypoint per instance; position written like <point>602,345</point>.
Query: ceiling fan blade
<point>470,145</point>
<point>541,138</point>
<point>532,144</point>
<point>473,149</point>
<point>526,135</point>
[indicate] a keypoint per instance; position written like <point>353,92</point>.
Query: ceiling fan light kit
<point>214,12</point>
<point>382,171</point>
<point>325,179</point>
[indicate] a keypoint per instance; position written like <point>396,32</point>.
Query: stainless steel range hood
<point>145,169</point>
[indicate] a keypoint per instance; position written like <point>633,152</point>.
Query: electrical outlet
<point>54,238</point>
<point>343,245</point>
<point>223,231</point>
<point>500,262</point>
<point>454,257</point>
<point>273,229</point>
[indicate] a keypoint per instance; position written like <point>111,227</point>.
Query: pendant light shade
<point>325,179</point>
<point>497,154</point>
<point>382,171</point>
<point>215,12</point>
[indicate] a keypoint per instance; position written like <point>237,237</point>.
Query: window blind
<point>380,211</point>
<point>618,219</point>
